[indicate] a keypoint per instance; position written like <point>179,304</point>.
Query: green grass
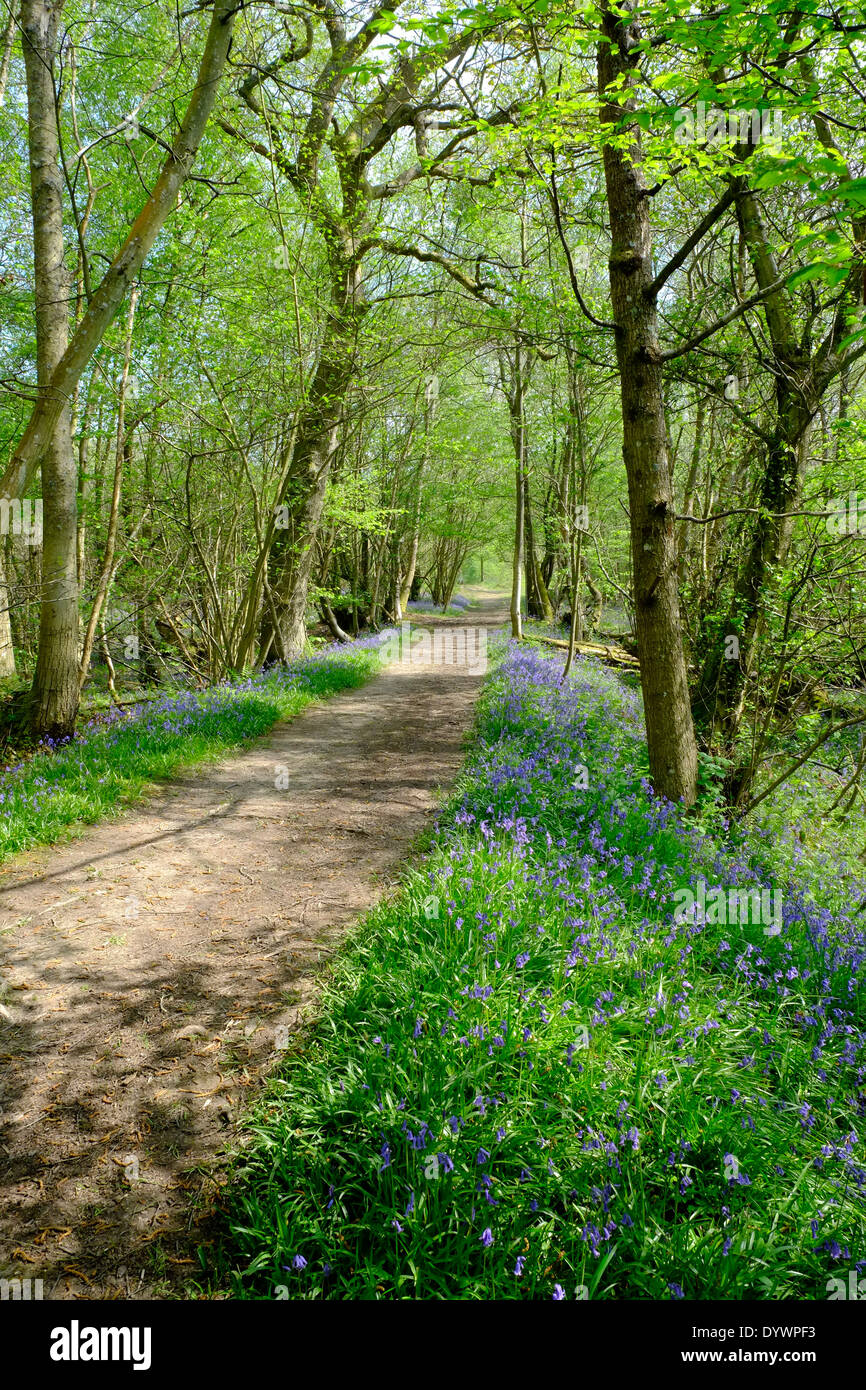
<point>109,765</point>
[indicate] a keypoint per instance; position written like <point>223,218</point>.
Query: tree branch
<point>688,246</point>
<point>741,308</point>
<point>394,248</point>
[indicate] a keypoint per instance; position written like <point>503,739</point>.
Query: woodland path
<point>151,969</point>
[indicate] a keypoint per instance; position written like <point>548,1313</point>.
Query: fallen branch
<point>615,656</point>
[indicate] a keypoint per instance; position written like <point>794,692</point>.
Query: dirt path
<point>151,970</point>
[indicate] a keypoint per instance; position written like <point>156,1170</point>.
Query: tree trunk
<point>538,598</point>
<point>514,373</point>
<point>55,682</point>
<point>411,566</point>
<point>121,274</point>
<point>108,568</point>
<point>55,685</point>
<point>670,732</point>
<point>575,633</point>
<point>722,688</point>
<point>597,599</point>
<point>415,541</point>
<point>517,563</point>
<point>330,618</point>
<point>6,50</point>
<point>691,485</point>
<point>533,597</point>
<point>303,496</point>
<point>7,651</point>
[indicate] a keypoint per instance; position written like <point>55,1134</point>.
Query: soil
<point>153,969</point>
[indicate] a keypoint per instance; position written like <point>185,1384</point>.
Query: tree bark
<point>7,651</point>
<point>722,688</point>
<point>518,437</point>
<point>54,696</point>
<point>670,732</point>
<point>802,376</point>
<point>415,540</point>
<point>539,603</point>
<point>6,51</point>
<point>107,571</point>
<point>303,495</point>
<point>597,598</point>
<point>533,597</point>
<point>691,485</point>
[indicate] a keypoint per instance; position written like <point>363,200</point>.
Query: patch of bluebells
<point>117,749</point>
<point>458,603</point>
<point>609,1079</point>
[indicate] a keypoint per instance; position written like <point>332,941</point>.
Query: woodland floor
<point>147,966</point>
